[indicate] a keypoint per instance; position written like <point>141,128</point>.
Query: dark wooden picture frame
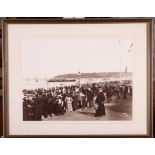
<point>149,92</point>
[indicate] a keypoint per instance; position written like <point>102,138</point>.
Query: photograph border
<point>149,64</point>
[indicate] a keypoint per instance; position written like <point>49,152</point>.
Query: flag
<point>130,47</point>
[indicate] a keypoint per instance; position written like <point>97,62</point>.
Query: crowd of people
<point>43,103</point>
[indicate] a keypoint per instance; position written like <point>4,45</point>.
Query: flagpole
<point>129,50</point>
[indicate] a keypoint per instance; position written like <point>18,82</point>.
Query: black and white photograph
<point>76,79</point>
<point>83,77</point>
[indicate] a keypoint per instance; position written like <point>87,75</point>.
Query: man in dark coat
<point>100,110</point>
<point>75,102</point>
<point>38,109</point>
<point>90,97</point>
<point>28,109</point>
<point>125,91</point>
<point>51,105</point>
<point>45,106</point>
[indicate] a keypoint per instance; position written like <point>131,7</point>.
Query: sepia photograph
<point>77,77</point>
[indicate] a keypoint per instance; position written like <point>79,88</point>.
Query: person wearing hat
<point>69,101</point>
<point>125,90</point>
<point>89,97</point>
<point>100,109</point>
<point>59,109</point>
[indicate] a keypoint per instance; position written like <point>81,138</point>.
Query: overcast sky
<point>47,57</point>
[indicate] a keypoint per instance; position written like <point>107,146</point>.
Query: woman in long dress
<point>100,109</point>
<point>69,101</point>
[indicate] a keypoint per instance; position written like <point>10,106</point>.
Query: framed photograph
<point>89,77</point>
